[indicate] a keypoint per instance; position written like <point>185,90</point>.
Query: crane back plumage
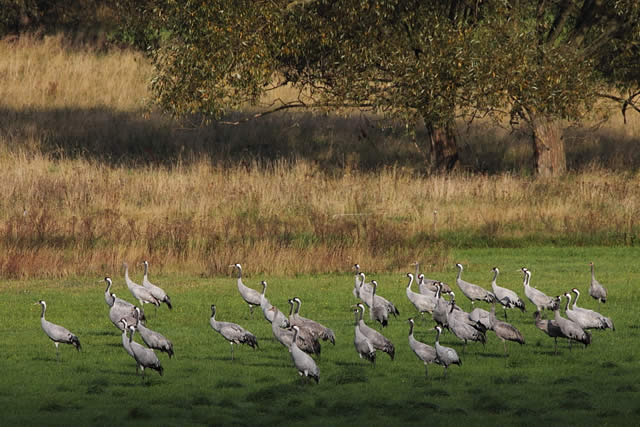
<point>362,344</point>
<point>145,357</point>
<point>56,333</point>
<point>472,291</point>
<point>538,298</point>
<point>249,295</point>
<point>156,291</point>
<point>596,290</point>
<point>378,341</point>
<point>424,352</point>
<point>317,329</point>
<point>154,340</point>
<point>232,332</point>
<point>305,365</point>
<point>424,303</point>
<point>139,292</point>
<point>506,297</point>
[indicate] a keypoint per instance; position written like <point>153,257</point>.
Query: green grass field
<point>201,385</point>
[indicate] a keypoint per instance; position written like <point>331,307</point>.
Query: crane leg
<point>426,371</point>
<point>555,347</point>
<point>57,352</point>
<point>232,351</point>
<point>504,344</point>
<point>505,314</point>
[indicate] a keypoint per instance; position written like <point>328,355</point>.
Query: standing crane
<point>58,334</point>
<point>446,355</point>
<point>156,291</point>
<point>251,296</point>
<point>305,365</point>
<point>378,341</point>
<point>139,292</point>
<point>471,291</point>
<point>154,340</point>
<point>362,343</point>
<point>232,332</point>
<point>145,357</point>
<point>503,330</point>
<point>425,352</point>
<point>596,290</point>
<point>506,297</point>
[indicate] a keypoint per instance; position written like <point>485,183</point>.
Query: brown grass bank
<point>90,178</point>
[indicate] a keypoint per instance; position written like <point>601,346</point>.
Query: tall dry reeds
<point>89,178</point>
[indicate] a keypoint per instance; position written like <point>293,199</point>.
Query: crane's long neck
<point>417,268</point>
<point>290,308</point>
<point>264,290</point>
<point>356,314</point>
<point>593,273</point>
<point>108,290</point>
<point>146,269</point>
<point>298,304</point>
<point>575,302</point>
<point>410,283</point>
<point>361,312</point>
<point>44,308</point>
<point>239,272</point>
<point>295,336</point>
<point>410,329</point>
<point>132,331</point>
<point>438,336</point>
<point>566,307</point>
<point>495,277</point>
<point>459,272</point>
<point>525,281</point>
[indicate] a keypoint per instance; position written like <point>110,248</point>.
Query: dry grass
<point>90,179</point>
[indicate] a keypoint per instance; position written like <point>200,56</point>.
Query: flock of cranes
<point>302,336</point>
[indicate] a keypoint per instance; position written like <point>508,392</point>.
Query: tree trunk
<point>444,149</point>
<point>548,148</point>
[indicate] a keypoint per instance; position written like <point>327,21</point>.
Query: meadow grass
<point>593,386</point>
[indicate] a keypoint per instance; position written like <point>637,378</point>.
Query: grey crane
<point>425,352</point>
<point>305,333</point>
<point>305,365</point>
<point>503,330</point>
<point>570,329</point>
<point>441,309</point>
<point>471,291</point>
<point>426,285</point>
<point>58,334</point>
<point>423,303</point>
<point>446,355</point>
<point>154,340</point>
<point>125,340</point>
<point>429,288</point>
<point>481,317</point>
<point>596,290</point>
<point>549,327</point>
<point>538,298</point>
<point>156,291</point>
<point>317,329</point>
<point>361,342</point>
<point>378,341</point>
<point>587,319</point>
<point>360,285</point>
<point>145,357</point>
<point>110,298</point>
<point>270,315</point>
<point>377,311</point>
<point>139,292</point>
<point>306,342</point>
<point>121,310</point>
<point>251,296</point>
<point>369,297</point>
<point>463,327</point>
<point>232,332</point>
<point>506,297</point>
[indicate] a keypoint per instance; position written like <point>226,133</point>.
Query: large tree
<point>417,61</point>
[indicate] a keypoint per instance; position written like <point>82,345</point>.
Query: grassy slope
<point>201,385</point>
